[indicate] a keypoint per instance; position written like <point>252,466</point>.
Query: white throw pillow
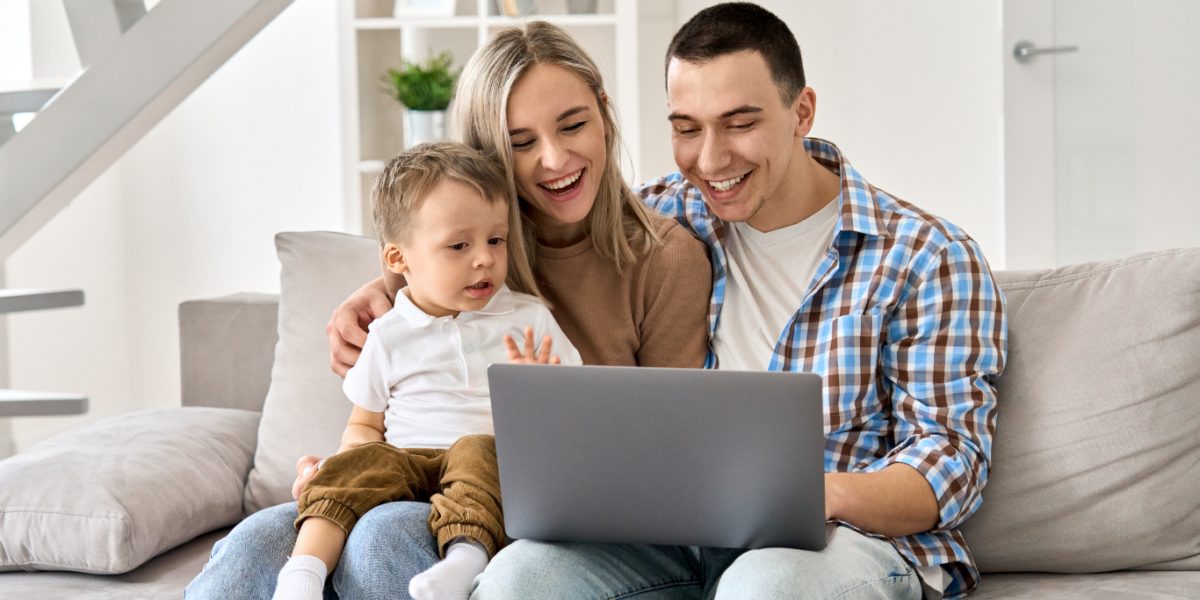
<point>124,489</point>
<point>305,410</point>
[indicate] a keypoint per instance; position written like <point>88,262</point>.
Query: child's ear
<point>393,258</point>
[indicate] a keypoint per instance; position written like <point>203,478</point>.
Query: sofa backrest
<point>1096,460</point>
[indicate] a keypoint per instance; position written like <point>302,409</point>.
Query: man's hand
<point>895,502</point>
<point>347,329</point>
<point>529,357</point>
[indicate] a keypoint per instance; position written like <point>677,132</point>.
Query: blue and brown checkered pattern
<point>906,326</point>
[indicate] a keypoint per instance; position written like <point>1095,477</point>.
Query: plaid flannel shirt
<point>907,328</point>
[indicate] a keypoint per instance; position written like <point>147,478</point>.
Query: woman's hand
<point>306,469</point>
<point>541,358</point>
<point>347,329</point>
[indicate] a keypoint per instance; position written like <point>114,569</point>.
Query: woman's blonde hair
<point>619,220</point>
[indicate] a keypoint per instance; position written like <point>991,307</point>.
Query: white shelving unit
<point>370,43</point>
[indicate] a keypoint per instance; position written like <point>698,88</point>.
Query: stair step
<point>20,300</point>
<point>28,96</point>
<point>18,403</point>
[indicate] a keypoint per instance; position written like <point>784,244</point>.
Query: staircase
<point>138,66</point>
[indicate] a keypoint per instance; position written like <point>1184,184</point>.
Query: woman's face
<point>557,137</point>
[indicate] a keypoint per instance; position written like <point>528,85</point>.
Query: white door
<point>1102,144</point>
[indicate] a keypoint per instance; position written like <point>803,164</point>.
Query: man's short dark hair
<point>736,26</point>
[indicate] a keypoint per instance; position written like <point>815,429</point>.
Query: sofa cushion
<point>1124,585</point>
<point>107,497</point>
<point>1096,460</point>
<point>305,410</point>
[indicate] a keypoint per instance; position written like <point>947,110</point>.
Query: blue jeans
<point>392,543</point>
<point>853,566</point>
<point>387,547</point>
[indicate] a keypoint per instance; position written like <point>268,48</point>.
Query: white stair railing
<point>139,66</point>
<point>133,83</point>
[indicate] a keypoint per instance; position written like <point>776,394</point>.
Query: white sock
<point>451,579</point>
<point>302,578</point>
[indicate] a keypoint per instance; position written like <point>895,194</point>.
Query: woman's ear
<point>393,258</point>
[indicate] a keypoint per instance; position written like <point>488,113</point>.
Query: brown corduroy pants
<point>462,484</point>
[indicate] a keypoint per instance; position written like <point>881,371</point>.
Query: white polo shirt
<point>429,375</point>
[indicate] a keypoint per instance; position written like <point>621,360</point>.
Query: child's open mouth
<point>483,289</point>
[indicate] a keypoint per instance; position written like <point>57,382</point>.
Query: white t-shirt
<point>767,275</point>
<point>429,375</point>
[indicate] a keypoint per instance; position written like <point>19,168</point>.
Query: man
<point>817,271</point>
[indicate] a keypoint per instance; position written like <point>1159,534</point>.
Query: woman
<point>627,287</point>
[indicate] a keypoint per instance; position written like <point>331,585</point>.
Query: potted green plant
<point>425,90</point>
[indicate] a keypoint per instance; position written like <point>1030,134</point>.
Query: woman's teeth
<point>559,184</point>
<point>725,186</point>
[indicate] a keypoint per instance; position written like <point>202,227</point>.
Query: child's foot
<point>451,579</point>
<point>302,578</point>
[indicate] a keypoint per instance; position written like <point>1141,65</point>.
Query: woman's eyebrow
<point>565,114</point>
<point>571,111</point>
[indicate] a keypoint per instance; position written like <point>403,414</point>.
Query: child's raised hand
<point>529,357</point>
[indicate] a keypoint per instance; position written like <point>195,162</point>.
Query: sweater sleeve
<point>677,291</point>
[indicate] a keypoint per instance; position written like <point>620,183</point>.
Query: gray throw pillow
<point>1096,461</point>
<point>124,489</point>
<point>305,410</point>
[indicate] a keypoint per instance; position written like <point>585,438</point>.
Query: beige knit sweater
<point>653,314</point>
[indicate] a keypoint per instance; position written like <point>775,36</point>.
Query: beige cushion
<point>305,410</point>
<point>1096,462</point>
<point>107,497</point>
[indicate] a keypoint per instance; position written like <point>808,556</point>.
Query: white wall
<point>189,212</point>
<point>16,62</point>
<point>912,93</point>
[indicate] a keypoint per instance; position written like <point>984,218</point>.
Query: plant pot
<point>424,126</point>
<point>581,7</point>
<point>516,8</point>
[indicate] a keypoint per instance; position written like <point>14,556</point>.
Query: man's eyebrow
<point>565,114</point>
<point>741,110</point>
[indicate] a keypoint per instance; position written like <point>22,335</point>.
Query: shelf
<point>470,21</point>
<point>15,300</point>
<point>14,403</point>
<point>371,167</point>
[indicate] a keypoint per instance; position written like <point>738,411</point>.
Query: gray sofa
<point>1094,492</point>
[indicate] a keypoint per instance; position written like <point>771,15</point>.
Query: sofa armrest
<point>226,350</point>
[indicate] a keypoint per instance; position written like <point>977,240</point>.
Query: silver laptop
<point>684,457</point>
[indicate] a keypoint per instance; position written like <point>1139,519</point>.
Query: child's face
<point>456,255</point>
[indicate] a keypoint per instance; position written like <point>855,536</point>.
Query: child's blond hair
<point>409,178</point>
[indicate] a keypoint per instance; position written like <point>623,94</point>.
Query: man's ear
<point>393,258</point>
<point>805,108</point>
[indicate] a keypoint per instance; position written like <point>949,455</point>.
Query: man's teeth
<point>559,184</point>
<point>724,186</point>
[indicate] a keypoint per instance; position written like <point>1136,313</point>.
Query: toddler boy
<point>422,423</point>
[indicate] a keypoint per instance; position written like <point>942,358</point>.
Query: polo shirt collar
<point>500,304</point>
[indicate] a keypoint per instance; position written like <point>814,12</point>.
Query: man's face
<point>732,135</point>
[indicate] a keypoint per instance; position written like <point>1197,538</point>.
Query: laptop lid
<point>660,456</point>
